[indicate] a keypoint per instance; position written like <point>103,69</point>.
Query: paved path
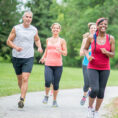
<point>68,101</point>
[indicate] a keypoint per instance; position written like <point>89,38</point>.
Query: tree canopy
<point>73,15</point>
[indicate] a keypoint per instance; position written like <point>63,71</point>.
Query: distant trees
<point>76,15</point>
<point>9,16</point>
<point>73,15</point>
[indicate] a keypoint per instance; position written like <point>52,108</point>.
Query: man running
<point>21,39</point>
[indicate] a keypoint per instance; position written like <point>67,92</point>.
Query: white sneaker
<point>90,113</point>
<point>96,115</point>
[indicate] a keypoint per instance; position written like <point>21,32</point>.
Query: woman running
<point>102,48</point>
<point>92,29</point>
<point>55,48</point>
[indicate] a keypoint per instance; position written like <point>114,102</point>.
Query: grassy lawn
<point>71,78</point>
<point>112,109</point>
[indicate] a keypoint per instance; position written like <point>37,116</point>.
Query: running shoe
<point>96,115</point>
<point>21,103</point>
<point>83,100</point>
<point>90,113</point>
<point>51,93</point>
<point>54,104</point>
<point>45,100</point>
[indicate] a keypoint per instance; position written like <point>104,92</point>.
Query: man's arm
<point>11,37</point>
<point>38,43</point>
<point>42,60</point>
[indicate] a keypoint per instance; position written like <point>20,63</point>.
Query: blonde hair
<point>55,24</point>
<point>85,35</point>
<point>90,24</point>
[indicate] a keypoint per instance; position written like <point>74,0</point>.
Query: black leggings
<point>86,79</point>
<point>97,81</point>
<point>53,75</point>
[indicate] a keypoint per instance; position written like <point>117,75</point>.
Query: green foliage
<point>76,15</point>
<point>9,17</point>
<point>73,15</point>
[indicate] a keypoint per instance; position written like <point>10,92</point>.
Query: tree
<point>9,16</point>
<point>76,15</point>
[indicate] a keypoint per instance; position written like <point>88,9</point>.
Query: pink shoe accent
<point>51,92</point>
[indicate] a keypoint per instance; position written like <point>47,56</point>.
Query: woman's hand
<point>90,58</point>
<point>103,50</point>
<point>89,50</point>
<point>59,50</point>
<point>42,60</point>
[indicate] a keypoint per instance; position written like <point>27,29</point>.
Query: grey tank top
<point>24,39</point>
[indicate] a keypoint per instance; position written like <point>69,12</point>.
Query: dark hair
<point>95,38</point>
<point>97,31</point>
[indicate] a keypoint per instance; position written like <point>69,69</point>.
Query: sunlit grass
<point>71,78</point>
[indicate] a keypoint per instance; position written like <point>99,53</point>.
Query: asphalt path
<point>68,101</point>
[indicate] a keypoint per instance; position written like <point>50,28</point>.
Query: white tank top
<point>24,39</point>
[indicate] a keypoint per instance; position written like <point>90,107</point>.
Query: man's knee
<point>25,79</point>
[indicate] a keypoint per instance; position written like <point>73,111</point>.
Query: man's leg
<point>24,87</point>
<point>25,77</point>
<point>27,65</point>
<point>18,69</point>
<point>19,77</point>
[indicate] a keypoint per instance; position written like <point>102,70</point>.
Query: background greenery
<point>73,15</point>
<point>71,78</point>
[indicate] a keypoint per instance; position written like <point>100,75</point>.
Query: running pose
<point>55,48</point>
<point>21,39</point>
<point>102,48</point>
<point>92,29</point>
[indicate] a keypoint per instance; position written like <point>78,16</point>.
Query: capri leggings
<point>97,81</point>
<point>86,79</point>
<point>53,75</point>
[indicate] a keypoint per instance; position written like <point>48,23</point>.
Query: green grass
<point>71,78</point>
<point>112,109</point>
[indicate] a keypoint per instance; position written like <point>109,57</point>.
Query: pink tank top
<point>101,61</point>
<point>53,57</point>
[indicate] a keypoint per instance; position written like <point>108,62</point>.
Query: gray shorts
<point>22,64</point>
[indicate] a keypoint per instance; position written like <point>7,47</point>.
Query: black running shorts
<point>22,64</point>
